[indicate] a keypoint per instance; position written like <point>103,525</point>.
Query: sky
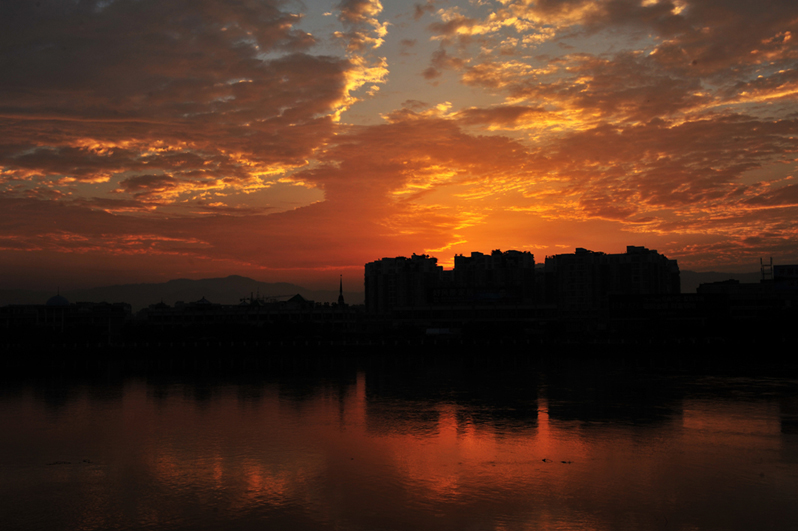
<point>145,140</point>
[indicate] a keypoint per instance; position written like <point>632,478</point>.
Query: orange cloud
<point>225,137</point>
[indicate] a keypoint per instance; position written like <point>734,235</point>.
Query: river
<point>400,444</point>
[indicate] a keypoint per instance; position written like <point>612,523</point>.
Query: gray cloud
<point>199,89</point>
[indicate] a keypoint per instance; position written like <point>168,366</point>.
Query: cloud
<point>431,73</point>
<point>674,56</point>
<point>495,74</point>
<point>359,11</point>
<point>420,9</point>
<point>364,29</point>
<point>440,61</point>
<point>786,196</point>
<point>691,172</point>
<point>699,29</point>
<point>210,135</point>
<point>152,188</point>
<point>414,105</point>
<point>504,116</point>
<point>453,24</point>
<point>202,91</point>
<point>420,181</point>
<point>626,87</point>
<point>375,180</point>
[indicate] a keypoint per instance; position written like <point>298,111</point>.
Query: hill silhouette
<point>227,290</point>
<point>231,289</point>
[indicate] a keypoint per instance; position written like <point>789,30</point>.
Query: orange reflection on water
<point>231,455</point>
<point>731,420</point>
<point>356,455</point>
<point>260,486</point>
<point>433,464</point>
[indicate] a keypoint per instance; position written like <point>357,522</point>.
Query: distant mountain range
<point>228,290</point>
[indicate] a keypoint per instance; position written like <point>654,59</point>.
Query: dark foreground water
<point>399,445</point>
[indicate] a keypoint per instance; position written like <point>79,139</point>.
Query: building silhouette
<point>500,277</point>
<point>770,305</point>
<point>58,319</point>
<point>401,281</point>
<point>586,279</point>
<point>576,298</point>
<point>583,280</point>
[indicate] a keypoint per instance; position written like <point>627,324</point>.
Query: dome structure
<point>57,300</point>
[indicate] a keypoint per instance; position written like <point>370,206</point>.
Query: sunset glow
<point>294,141</point>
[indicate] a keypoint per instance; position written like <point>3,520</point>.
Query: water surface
<point>422,445</point>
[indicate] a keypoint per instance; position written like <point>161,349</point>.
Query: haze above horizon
<point>292,142</point>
